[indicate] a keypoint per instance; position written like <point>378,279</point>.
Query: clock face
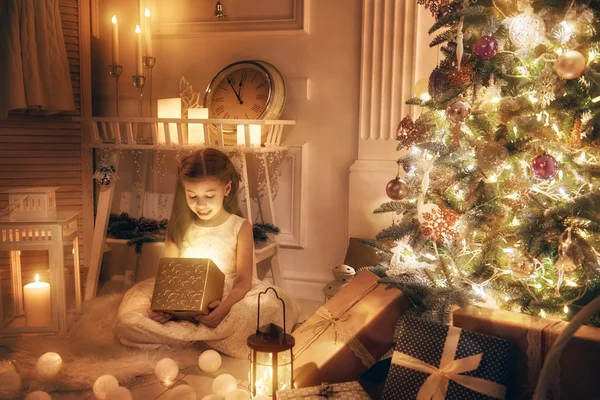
<point>239,92</point>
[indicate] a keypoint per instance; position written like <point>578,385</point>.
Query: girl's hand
<point>217,314</point>
<point>159,316</point>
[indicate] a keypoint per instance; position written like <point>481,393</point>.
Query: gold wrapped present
<point>577,375</point>
<point>186,286</point>
<point>339,391</point>
<point>348,333</point>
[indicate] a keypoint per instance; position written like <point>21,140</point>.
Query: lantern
<point>271,366</point>
<point>40,290</point>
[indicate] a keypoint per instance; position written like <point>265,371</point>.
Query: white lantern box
<point>40,282</point>
<point>32,203</point>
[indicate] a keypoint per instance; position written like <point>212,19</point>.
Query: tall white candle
<point>38,310</point>
<point>147,33</point>
<point>138,51</point>
<point>255,132</point>
<point>241,137</point>
<point>115,41</point>
<point>169,108</point>
<point>196,131</point>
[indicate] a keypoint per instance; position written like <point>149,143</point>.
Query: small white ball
<point>119,393</point>
<point>209,361</point>
<point>212,397</point>
<point>49,365</point>
<point>166,370</point>
<point>103,385</point>
<point>224,384</point>
<point>10,384</point>
<point>238,394</point>
<point>38,395</point>
<point>182,392</point>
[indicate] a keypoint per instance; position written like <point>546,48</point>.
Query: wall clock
<point>245,90</point>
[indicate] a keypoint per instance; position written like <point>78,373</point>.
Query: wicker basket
<point>556,351</point>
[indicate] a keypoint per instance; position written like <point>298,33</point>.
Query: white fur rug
<point>88,351</point>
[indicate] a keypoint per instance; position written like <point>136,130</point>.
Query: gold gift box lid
<point>186,286</point>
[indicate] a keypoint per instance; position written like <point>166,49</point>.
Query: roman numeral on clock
<point>256,108</point>
<point>261,96</point>
<point>219,99</point>
<point>260,86</point>
<point>226,115</point>
<point>254,77</point>
<point>219,110</point>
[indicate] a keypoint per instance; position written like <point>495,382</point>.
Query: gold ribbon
<point>329,320</point>
<point>436,384</point>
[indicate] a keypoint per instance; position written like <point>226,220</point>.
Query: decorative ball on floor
<point>49,365</point>
<point>224,384</point>
<point>38,395</point>
<point>103,385</point>
<point>166,370</point>
<point>119,393</point>
<point>182,392</point>
<point>343,272</point>
<point>10,384</point>
<point>209,361</point>
<point>396,189</point>
<point>238,394</point>
<point>212,397</point>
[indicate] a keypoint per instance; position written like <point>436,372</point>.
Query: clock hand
<point>236,93</point>
<point>240,92</point>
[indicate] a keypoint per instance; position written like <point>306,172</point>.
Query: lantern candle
<point>139,63</point>
<point>169,108</point>
<point>255,132</point>
<point>148,33</point>
<point>36,295</point>
<point>196,131</point>
<point>115,41</point>
<point>241,135</point>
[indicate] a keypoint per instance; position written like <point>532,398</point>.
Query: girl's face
<point>205,197</point>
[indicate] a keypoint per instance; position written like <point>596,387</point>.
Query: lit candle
<point>169,108</point>
<point>138,51</point>
<point>115,41</point>
<point>241,138</point>
<point>148,33</point>
<point>255,132</point>
<point>196,131</point>
<point>36,295</point>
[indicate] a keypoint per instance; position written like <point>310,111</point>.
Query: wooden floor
<point>149,388</point>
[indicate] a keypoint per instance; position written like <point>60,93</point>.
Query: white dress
<point>135,328</point>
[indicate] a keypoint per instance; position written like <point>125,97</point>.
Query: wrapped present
<point>186,286</point>
<point>435,361</point>
<point>575,378</point>
<point>336,391</point>
<point>348,333</point>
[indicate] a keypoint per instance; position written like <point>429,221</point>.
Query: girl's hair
<point>201,164</point>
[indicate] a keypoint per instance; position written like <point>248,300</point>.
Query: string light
<point>542,313</point>
<point>508,250</point>
<point>566,309</point>
<point>512,196</point>
<point>570,283</point>
<point>515,222</point>
<point>596,99</point>
<point>430,256</point>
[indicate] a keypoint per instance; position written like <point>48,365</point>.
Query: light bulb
<point>542,313</point>
<point>566,309</point>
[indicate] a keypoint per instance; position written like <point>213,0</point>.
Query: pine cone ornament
<point>447,76</point>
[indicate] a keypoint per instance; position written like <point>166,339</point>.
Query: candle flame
<point>37,278</point>
<point>114,19</point>
<point>147,13</point>
<point>137,29</point>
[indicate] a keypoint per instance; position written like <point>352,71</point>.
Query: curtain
<point>34,69</point>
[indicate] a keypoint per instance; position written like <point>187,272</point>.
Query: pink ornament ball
<point>485,47</point>
<point>544,166</point>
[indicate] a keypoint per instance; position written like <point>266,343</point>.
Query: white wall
<point>329,56</point>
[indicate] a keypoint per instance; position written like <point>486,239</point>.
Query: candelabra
<point>115,71</point>
<point>139,81</point>
<point>149,63</point>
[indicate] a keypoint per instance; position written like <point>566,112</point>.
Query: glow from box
<point>169,108</point>
<point>196,131</point>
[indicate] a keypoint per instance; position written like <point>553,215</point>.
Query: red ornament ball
<point>544,166</point>
<point>396,189</point>
<point>485,47</point>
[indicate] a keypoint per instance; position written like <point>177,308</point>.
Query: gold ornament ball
<point>396,189</point>
<point>209,361</point>
<point>223,384</point>
<point>48,365</point>
<point>166,370</point>
<point>104,385</point>
<point>421,89</point>
<point>570,65</point>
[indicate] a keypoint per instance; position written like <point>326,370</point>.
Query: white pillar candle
<point>169,108</point>
<point>147,33</point>
<point>115,41</point>
<point>38,310</point>
<point>196,131</point>
<point>139,63</point>
<point>241,138</point>
<point>255,131</point>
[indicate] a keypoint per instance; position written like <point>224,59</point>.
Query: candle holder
<point>115,71</point>
<point>149,63</point>
<point>139,81</point>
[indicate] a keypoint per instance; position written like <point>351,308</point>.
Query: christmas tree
<point>500,200</point>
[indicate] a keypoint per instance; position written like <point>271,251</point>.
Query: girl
<point>206,222</point>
